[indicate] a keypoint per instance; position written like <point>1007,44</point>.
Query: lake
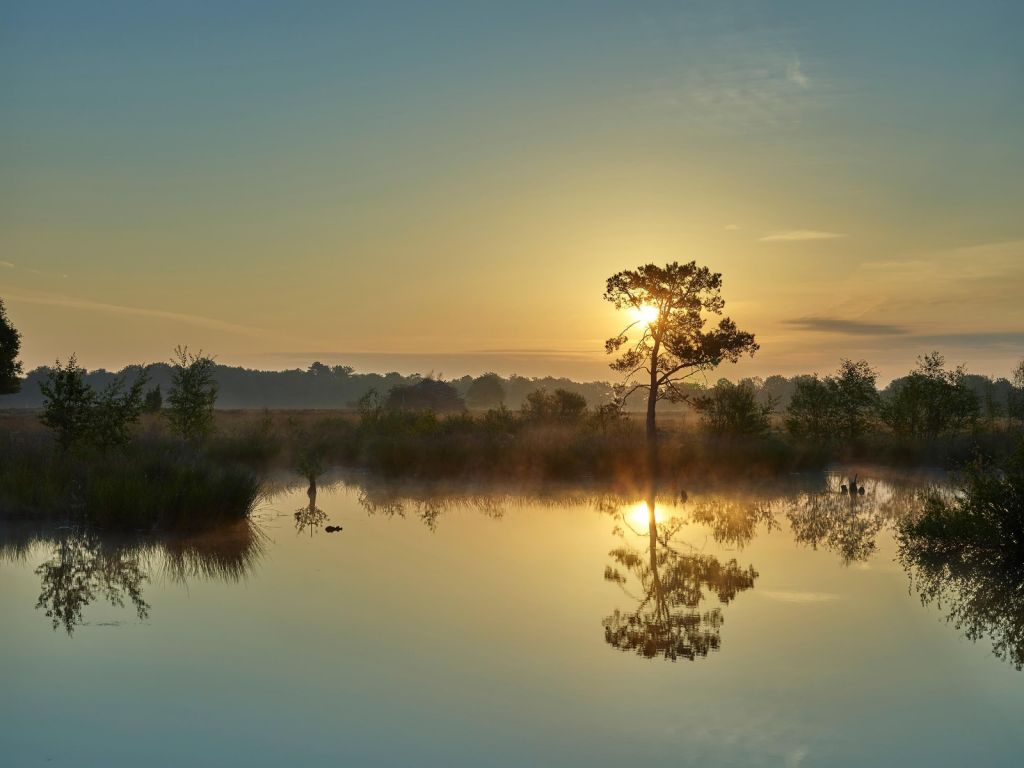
<point>762,625</point>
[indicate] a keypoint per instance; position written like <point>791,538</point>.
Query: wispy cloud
<point>848,327</point>
<point>800,235</point>
<point>7,264</point>
<point>795,74</point>
<point>71,302</point>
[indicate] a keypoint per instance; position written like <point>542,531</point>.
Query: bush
<point>732,410</point>
<point>561,406</point>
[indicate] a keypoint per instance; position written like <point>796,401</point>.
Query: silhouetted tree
<point>836,406</point>
<point>486,392</point>
<point>10,345</point>
<point>671,343</point>
<point>856,397</point>
<point>67,402</point>
<point>114,411</point>
<point>930,401</point>
<point>193,394</point>
<point>812,410</point>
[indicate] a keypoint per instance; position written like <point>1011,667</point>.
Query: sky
<point>445,187</point>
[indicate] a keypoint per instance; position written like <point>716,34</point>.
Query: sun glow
<point>639,517</point>
<point>645,314</point>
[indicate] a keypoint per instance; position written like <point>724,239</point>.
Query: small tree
<point>670,342</point>
<point>80,416</point>
<point>856,397</point>
<point>193,394</point>
<point>67,402</point>
<point>10,345</point>
<point>113,413</point>
<point>732,410</point>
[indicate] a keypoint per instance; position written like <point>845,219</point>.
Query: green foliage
<point>560,406</point>
<point>10,346</point>
<point>930,401</point>
<point>732,410</point>
<point>486,391</point>
<point>80,416</point>
<point>192,396</point>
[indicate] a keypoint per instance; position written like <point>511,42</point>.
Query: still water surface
<point>740,627</point>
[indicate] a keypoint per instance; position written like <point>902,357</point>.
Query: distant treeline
<point>319,386</point>
<point>340,387</point>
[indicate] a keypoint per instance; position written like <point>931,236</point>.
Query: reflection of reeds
<point>229,553</point>
<point>84,565</point>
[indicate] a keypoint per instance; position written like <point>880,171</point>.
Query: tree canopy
<point>10,346</point>
<point>669,340</point>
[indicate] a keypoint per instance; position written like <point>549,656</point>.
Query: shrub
<point>733,410</point>
<point>560,406</point>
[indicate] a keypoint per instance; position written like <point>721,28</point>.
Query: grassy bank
<point>153,484</point>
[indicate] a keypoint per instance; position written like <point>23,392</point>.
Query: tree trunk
<point>652,396</point>
<point>652,402</point>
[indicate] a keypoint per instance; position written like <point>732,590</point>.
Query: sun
<point>639,515</point>
<point>646,313</point>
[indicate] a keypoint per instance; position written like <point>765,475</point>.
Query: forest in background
<point>340,387</point>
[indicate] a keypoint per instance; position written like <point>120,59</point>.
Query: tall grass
<point>153,485</point>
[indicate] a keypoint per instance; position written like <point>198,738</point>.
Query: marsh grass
<point>152,485</point>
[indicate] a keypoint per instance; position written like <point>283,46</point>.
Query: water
<point>479,628</point>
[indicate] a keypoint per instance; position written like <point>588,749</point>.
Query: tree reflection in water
<point>848,523</point>
<point>310,516</point>
<point>965,554</point>
<point>84,566</point>
<point>668,621</point>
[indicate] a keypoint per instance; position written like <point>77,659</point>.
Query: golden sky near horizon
<point>448,191</point>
